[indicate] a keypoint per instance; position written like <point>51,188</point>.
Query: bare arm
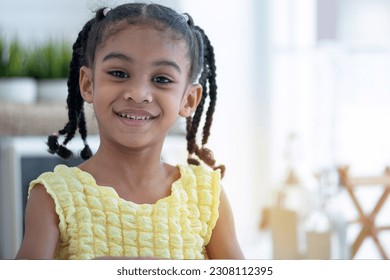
<point>41,226</point>
<point>223,243</point>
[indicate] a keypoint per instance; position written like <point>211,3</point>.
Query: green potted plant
<point>15,84</point>
<point>48,63</point>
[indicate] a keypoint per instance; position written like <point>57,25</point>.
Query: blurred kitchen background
<point>302,121</point>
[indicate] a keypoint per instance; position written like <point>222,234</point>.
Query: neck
<point>137,168</point>
<point>137,175</point>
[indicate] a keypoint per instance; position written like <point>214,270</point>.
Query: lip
<point>135,117</point>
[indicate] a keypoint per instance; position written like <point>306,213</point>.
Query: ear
<point>86,84</point>
<point>191,100</point>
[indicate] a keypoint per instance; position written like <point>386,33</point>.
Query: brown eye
<point>161,80</point>
<point>118,74</point>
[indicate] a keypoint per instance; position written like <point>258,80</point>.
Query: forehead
<point>150,40</point>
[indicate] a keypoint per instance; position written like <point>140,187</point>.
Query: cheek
<point>100,101</point>
<point>173,102</point>
<point>171,105</point>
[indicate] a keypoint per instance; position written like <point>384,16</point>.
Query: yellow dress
<point>94,221</point>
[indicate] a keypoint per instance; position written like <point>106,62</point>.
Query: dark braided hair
<point>108,22</point>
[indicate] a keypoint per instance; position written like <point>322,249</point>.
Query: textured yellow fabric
<point>94,221</point>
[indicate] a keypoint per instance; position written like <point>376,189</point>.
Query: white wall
<point>41,19</point>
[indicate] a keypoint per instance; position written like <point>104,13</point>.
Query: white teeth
<point>131,117</point>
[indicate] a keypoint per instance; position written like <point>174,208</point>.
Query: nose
<point>138,91</point>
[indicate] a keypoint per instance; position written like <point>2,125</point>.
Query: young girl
<point>140,66</point>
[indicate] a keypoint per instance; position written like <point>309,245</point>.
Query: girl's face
<point>139,86</point>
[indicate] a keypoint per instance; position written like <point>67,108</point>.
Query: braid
<point>208,82</point>
<point>193,124</point>
<point>211,69</point>
<point>74,101</point>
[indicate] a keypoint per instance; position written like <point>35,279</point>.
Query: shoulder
<point>57,179</point>
<point>60,185</point>
<point>203,182</point>
<point>200,174</point>
<point>45,186</point>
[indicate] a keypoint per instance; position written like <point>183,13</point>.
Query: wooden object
<point>318,245</point>
<point>284,226</point>
<point>369,228</point>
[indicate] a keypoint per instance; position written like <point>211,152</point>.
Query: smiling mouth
<point>135,117</point>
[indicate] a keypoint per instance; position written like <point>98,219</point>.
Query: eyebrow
<point>121,56</point>
<point>169,63</point>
